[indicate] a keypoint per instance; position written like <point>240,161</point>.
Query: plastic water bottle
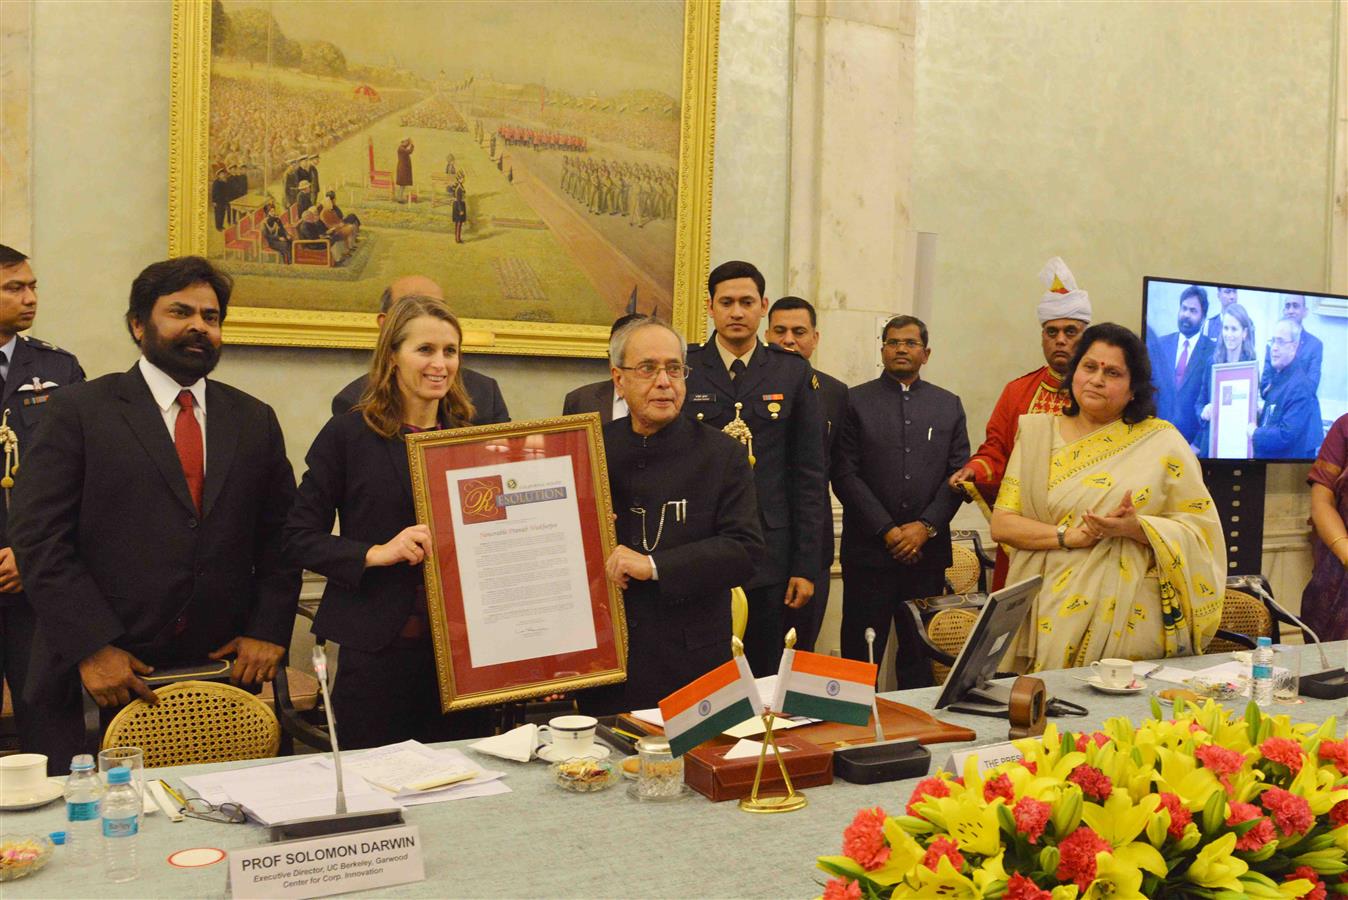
<point>121,826</point>
<point>1261,673</point>
<point>84,808</point>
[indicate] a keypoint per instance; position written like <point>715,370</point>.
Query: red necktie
<point>191,453</point>
<point>1183,363</point>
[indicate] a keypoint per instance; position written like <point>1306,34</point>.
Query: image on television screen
<point>1247,373</point>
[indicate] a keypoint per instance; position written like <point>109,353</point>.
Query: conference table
<point>541,841</point>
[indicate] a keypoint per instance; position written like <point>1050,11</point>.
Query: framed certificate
<point>1235,407</point>
<point>520,516</point>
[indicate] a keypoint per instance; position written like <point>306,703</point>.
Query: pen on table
<point>929,434</point>
<point>161,797</point>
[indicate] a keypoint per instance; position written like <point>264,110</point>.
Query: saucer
<point>33,799</point>
<point>684,791</point>
<point>1135,688</point>
<point>596,751</point>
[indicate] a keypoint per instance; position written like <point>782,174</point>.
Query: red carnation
<point>864,839</point>
<point>1094,784</point>
<point>1179,814</point>
<point>1292,814</point>
<point>842,889</point>
<point>999,787</point>
<point>1084,740</point>
<point>1219,759</point>
<point>943,846</point>
<point>1022,888</point>
<point>1256,837</point>
<point>1031,816</point>
<point>1338,816</point>
<point>1317,891</point>
<point>1283,751</point>
<point>1337,753</point>
<point>927,787</point>
<point>1076,856</point>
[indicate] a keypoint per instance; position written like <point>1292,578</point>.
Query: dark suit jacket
<point>596,397</point>
<point>364,481</point>
<point>488,404</point>
<point>1177,405</point>
<point>789,474</point>
<point>889,472</point>
<point>112,549</point>
<point>1310,356</point>
<point>1289,425</point>
<point>679,625</point>
<point>833,404</point>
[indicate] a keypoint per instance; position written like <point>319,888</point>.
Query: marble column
<point>850,243</point>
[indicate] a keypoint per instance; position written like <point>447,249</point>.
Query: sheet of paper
<point>404,771</point>
<point>483,783</point>
<point>1167,673</point>
<point>750,727</point>
<point>750,748</point>
<point>289,790</point>
<point>521,561</point>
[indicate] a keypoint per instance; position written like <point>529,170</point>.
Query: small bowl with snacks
<point>585,776</point>
<point>23,854</point>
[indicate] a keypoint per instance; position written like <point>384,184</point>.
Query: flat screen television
<point>1247,373</point>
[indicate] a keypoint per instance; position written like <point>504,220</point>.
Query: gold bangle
<point>1342,537</point>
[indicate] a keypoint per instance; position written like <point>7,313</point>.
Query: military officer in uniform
<point>687,521</point>
<point>30,371</point>
<point>764,396</point>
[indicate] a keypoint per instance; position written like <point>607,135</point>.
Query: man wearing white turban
<point>1064,312</point>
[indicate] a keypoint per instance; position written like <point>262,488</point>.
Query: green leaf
<point>1006,819</point>
<point>1155,709</point>
<point>1253,718</point>
<point>1244,827</point>
<point>1049,859</point>
<point>1213,813</point>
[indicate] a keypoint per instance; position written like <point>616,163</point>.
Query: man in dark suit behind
<point>902,439</point>
<point>792,326</point>
<point>489,407</point>
<point>736,381</point>
<point>148,522</point>
<point>1289,419</point>
<point>1182,363</point>
<point>600,396</point>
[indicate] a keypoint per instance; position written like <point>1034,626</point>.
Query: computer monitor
<point>968,687</point>
<point>1237,379</point>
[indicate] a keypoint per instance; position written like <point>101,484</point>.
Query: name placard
<point>335,864</point>
<point>989,757</point>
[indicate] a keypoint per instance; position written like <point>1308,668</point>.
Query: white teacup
<point>1114,673</point>
<point>570,735</point>
<point>22,775</point>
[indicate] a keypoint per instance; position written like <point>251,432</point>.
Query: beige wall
<point>101,198</point>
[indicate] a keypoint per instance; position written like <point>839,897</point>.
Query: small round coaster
<point>196,857</point>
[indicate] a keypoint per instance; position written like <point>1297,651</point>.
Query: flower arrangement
<point>1205,805</point>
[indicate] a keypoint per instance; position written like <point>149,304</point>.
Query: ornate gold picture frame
<point>546,200</point>
<point>520,517</point>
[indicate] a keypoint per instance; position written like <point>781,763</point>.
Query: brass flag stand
<point>793,799</point>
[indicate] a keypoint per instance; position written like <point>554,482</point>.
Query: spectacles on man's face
<point>648,370</point>
<point>905,343</point>
<point>227,813</point>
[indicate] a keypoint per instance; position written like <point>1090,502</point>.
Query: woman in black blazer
<point>374,604</point>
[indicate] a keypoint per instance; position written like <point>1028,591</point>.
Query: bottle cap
<point>119,775</point>
<point>82,762</point>
<point>57,837</point>
<point>1264,642</point>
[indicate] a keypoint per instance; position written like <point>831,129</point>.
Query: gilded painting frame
<point>432,458</point>
<point>189,209</point>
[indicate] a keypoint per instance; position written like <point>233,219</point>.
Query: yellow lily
<point>1115,879</point>
<point>945,882</point>
<point>1215,867</point>
<point>1317,786</point>
<point>1065,892</point>
<point>1118,820</point>
<point>1180,775</point>
<point>972,823</point>
<point>991,873</point>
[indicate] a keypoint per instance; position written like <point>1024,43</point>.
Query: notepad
<point>408,772</point>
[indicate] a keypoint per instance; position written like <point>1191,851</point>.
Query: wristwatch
<point>1062,533</point>
<point>931,529</point>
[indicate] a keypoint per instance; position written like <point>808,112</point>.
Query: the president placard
<point>521,561</point>
<point>520,518</point>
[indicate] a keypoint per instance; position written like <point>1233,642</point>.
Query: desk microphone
<point>1331,684</point>
<point>875,706</point>
<point>340,821</point>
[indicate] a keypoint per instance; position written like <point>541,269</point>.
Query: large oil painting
<point>548,163</point>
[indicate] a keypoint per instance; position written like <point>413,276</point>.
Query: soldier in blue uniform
<point>30,371</point>
<point>764,396</point>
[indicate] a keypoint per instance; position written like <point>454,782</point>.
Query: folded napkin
<point>517,744</point>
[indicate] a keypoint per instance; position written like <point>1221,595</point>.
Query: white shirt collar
<point>165,390</point>
<point>8,349</point>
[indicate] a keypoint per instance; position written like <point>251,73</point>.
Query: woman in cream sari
<point>1107,502</point>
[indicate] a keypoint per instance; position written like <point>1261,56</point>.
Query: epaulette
<point>775,348</point>
<point>40,344</point>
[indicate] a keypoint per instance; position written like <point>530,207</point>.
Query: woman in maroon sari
<point>1324,605</point>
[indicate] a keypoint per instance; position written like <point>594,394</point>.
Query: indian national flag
<point>721,699</point>
<point>825,687</point>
